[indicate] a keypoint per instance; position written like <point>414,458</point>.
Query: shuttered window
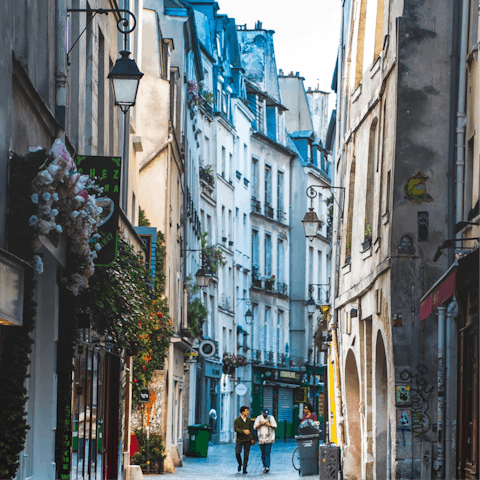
<point>285,404</point>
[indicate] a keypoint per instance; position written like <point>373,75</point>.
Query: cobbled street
<point>221,463</point>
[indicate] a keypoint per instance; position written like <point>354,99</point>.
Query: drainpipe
<point>461,117</point>
<point>450,391</point>
<point>441,394</point>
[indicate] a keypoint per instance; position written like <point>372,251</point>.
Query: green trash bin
<point>199,435</point>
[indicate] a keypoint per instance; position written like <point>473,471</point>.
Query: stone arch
<point>381,409</point>
<point>353,450</point>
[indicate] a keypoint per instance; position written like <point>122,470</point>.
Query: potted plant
<point>348,250</point>
<point>367,243</point>
<point>270,282</point>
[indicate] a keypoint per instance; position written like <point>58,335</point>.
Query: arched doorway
<point>353,452</point>
<point>381,410</point>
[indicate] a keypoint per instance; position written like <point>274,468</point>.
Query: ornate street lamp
<point>203,277</point>
<point>249,317</point>
<point>125,78</point>
<point>311,224</point>
<point>311,306</point>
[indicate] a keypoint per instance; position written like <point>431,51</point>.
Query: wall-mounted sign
<point>143,395</point>
<point>300,395</point>
<point>241,389</point>
<point>107,172</point>
<point>207,348</point>
<point>11,289</point>
<point>149,238</point>
<point>404,418</point>
<point>402,394</point>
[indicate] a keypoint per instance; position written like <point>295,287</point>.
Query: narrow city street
<point>221,463</point>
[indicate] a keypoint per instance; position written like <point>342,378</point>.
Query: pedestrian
<point>308,413</point>
<point>265,426</point>
<point>245,439</point>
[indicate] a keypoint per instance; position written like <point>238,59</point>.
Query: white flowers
<point>55,197</point>
<point>34,197</point>
<point>33,220</point>
<point>74,214</point>
<point>38,265</point>
<point>79,198</point>
<point>46,196</point>
<point>54,212</point>
<point>44,178</point>
<point>98,247</point>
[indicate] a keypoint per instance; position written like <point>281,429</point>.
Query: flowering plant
<point>66,202</point>
<point>234,360</point>
<point>194,91</point>
<point>214,255</point>
<point>271,279</point>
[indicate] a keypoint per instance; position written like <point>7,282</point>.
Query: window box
<point>238,174</point>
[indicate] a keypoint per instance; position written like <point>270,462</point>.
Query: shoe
<point>245,472</point>
<point>239,468</point>
<point>267,470</point>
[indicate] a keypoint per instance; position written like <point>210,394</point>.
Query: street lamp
<point>249,317</point>
<point>311,224</point>
<point>125,78</point>
<point>203,277</point>
<point>311,306</point>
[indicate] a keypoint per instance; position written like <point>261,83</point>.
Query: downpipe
<point>441,394</point>
<point>450,390</point>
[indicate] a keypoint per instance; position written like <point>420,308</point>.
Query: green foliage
<point>121,306</point>
<point>214,255</point>
<point>196,315</point>
<point>349,241</point>
<point>143,221</point>
<point>160,277</point>
<point>156,449</point>
<point>368,229</point>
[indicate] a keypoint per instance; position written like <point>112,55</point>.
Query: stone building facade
<point>393,142</point>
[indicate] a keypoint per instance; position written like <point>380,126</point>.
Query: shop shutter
<point>285,404</point>
<point>268,398</point>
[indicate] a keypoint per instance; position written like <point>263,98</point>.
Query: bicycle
<point>296,460</point>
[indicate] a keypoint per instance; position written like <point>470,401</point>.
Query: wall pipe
<point>451,390</point>
<point>461,116</point>
<point>441,394</point>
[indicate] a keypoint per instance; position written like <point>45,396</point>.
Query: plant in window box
<point>270,282</point>
<point>367,243</point>
<point>194,93</point>
<point>214,255</point>
<point>196,314</point>
<point>348,251</point>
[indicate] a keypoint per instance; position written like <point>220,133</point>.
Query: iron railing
<point>256,356</point>
<point>269,212</point>
<point>269,357</point>
<point>282,289</point>
<point>207,177</point>
<point>256,205</point>
<point>281,216</point>
<point>282,359</point>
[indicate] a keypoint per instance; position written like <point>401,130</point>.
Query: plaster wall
<point>318,103</point>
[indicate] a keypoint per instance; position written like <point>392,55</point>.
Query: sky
<point>306,36</point>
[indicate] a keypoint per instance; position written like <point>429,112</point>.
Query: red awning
<point>444,290</point>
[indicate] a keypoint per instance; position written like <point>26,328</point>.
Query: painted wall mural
<point>415,189</point>
<point>406,245</point>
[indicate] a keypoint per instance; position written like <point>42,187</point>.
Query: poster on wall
<point>107,174</point>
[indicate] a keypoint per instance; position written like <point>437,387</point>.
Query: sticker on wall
<point>402,394</point>
<point>406,245</point>
<point>415,189</point>
<point>423,227</point>
<point>403,418</point>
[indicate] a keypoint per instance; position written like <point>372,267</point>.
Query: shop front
<point>278,390</point>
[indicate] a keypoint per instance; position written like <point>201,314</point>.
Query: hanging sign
<point>107,172</point>
<point>241,389</point>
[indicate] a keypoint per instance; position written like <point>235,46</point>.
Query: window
<point>224,159</point>
<point>281,261</point>
<point>271,122</point>
<point>268,185</point>
<point>230,167</point>
<point>207,151</point>
<point>268,255</point>
<point>245,160</point>
<point>223,223</point>
<point>279,330</point>
<point>320,277</point>
<point>360,43</point>
<point>255,179</point>
<point>255,252</point>
<point>310,265</point>
<point>266,330</point>
<point>101,94</point>
<point>369,194</point>
<point>230,225</point>
<point>280,191</point>
<point>379,30</point>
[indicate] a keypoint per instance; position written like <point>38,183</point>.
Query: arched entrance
<point>381,410</point>
<point>353,452</point>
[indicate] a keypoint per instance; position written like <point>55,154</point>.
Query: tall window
<point>268,185</point>
<point>255,250</point>
<point>255,179</point>
<point>320,273</point>
<point>379,30</point>
<point>230,225</point>
<point>281,261</point>
<point>266,330</point>
<point>369,194</point>
<point>207,151</point>
<point>279,330</point>
<point>224,159</point>
<point>230,166</point>
<point>271,122</point>
<point>245,159</point>
<point>280,191</point>
<point>360,42</point>
<point>268,255</point>
<point>223,222</point>
<point>310,265</point>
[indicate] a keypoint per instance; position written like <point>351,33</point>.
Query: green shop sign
<point>107,172</point>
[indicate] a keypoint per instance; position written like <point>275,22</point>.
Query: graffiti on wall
<point>404,418</point>
<point>415,189</point>
<point>420,393</point>
<point>402,394</point>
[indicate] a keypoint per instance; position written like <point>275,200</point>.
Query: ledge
<point>346,268</point>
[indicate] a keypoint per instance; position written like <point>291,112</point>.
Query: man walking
<point>245,439</point>
<point>265,425</point>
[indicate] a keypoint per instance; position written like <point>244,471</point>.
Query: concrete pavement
<point>221,464</point>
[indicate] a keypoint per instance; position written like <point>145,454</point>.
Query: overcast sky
<point>306,33</point>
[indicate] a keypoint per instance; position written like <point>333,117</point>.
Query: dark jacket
<point>239,426</point>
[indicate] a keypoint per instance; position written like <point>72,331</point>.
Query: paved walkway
<point>221,464</point>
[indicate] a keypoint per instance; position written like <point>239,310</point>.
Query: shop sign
<point>149,238</point>
<point>144,395</point>
<point>241,389</point>
<point>107,174</point>
<point>441,293</point>
<point>213,370</point>
<point>11,289</point>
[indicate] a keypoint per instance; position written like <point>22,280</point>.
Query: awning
<point>439,293</point>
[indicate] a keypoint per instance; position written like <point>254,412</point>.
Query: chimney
<point>290,74</point>
<point>309,89</point>
<point>280,72</point>
<point>258,25</point>
<point>297,74</point>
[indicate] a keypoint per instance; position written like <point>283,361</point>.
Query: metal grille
<point>329,462</point>
<point>285,402</point>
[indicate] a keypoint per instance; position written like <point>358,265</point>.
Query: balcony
<point>282,289</point>
<point>269,211</point>
<point>256,206</point>
<point>207,177</point>
<point>257,283</point>
<point>281,216</point>
<point>281,359</point>
<point>256,356</point>
<point>270,285</point>
<point>269,358</point>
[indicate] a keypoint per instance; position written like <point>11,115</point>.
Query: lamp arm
<point>312,193</point>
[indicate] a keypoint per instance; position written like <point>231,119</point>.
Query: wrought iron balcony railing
<point>256,356</point>
<point>256,205</point>
<point>269,357</point>
<point>207,177</point>
<point>269,212</point>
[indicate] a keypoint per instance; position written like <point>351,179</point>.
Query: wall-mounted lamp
<point>248,314</point>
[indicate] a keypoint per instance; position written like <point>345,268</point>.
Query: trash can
<point>199,436</point>
<point>308,452</point>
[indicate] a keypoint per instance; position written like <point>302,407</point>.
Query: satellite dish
<point>207,348</point>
